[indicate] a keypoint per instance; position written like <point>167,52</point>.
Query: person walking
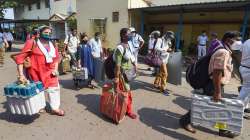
<point>86,59</point>
<point>124,59</point>
<point>71,43</point>
<point>220,69</point>
<point>44,59</point>
<point>245,73</point>
<point>202,44</point>
<point>3,43</point>
<point>9,37</point>
<point>97,54</point>
<point>163,47</point>
<point>215,42</point>
<point>137,42</point>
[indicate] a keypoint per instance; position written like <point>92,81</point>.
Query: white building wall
<point>136,4</point>
<point>42,13</point>
<point>91,9</point>
<point>60,7</point>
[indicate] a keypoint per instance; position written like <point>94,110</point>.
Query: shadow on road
<point>91,102</point>
<point>143,85</point>
<point>69,84</point>
<point>163,121</point>
<point>182,101</point>
<point>20,119</point>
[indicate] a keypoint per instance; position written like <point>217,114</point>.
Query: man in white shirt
<point>96,45</point>
<point>97,53</point>
<point>9,37</point>
<point>71,43</point>
<point>202,44</point>
<point>3,42</point>
<point>137,42</point>
<point>245,73</point>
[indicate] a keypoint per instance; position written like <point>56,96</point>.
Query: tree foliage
<point>7,4</point>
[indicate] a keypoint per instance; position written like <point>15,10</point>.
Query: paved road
<point>158,114</point>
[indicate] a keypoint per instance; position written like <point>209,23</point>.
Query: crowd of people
<point>84,52</point>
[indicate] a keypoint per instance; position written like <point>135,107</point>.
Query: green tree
<point>7,4</point>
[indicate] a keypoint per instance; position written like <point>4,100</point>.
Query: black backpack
<point>197,73</point>
<point>109,66</point>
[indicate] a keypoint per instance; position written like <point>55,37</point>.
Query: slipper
<point>165,92</point>
<point>247,117</point>
<point>91,86</point>
<point>41,111</point>
<point>132,115</point>
<point>58,113</point>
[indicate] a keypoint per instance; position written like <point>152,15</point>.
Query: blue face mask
<point>130,37</point>
<point>46,37</point>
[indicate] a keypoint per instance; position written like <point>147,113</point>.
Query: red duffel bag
<point>114,105</point>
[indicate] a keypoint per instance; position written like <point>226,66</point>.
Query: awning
<point>196,7</point>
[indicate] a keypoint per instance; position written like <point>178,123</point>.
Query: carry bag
<point>114,105</point>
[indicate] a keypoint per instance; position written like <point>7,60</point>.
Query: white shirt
<point>162,47</point>
<point>96,47</point>
<point>72,43</point>
<point>202,40</point>
<point>136,40</point>
<point>128,54</point>
<point>8,36</point>
<point>151,43</point>
<point>245,60</point>
<point>1,38</point>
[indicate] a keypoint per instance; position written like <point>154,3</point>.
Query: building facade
<point>186,18</point>
<point>53,12</point>
<point>106,17</point>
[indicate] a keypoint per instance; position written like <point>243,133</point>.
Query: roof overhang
<point>23,21</point>
<point>201,7</point>
<point>58,17</point>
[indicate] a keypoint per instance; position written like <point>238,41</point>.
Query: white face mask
<point>236,45</point>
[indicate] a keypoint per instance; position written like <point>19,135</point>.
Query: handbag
<point>153,59</point>
<point>129,75</point>
<point>27,60</point>
<point>114,104</point>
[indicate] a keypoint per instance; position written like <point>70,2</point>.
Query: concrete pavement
<point>158,115</point>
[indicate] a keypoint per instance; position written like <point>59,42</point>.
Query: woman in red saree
<point>44,58</point>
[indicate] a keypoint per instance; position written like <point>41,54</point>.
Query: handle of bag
<point>28,51</point>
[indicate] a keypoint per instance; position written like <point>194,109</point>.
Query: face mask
<point>130,37</point>
<point>45,36</point>
<point>236,45</point>
<point>85,41</point>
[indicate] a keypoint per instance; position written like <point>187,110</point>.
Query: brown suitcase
<point>114,105</point>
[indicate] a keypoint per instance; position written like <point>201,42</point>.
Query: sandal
<point>132,116</point>
<point>58,112</point>
<point>91,86</point>
<point>41,111</point>
<point>165,92</point>
<point>156,86</point>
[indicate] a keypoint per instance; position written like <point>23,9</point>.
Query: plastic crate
<point>23,91</point>
<point>226,115</point>
<point>26,106</point>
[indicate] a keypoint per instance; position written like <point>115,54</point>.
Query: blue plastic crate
<point>24,91</point>
<point>39,86</point>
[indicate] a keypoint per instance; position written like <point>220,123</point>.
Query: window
<point>47,3</point>
<point>38,4</point>
<point>99,25</point>
<point>30,7</point>
<point>115,16</point>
